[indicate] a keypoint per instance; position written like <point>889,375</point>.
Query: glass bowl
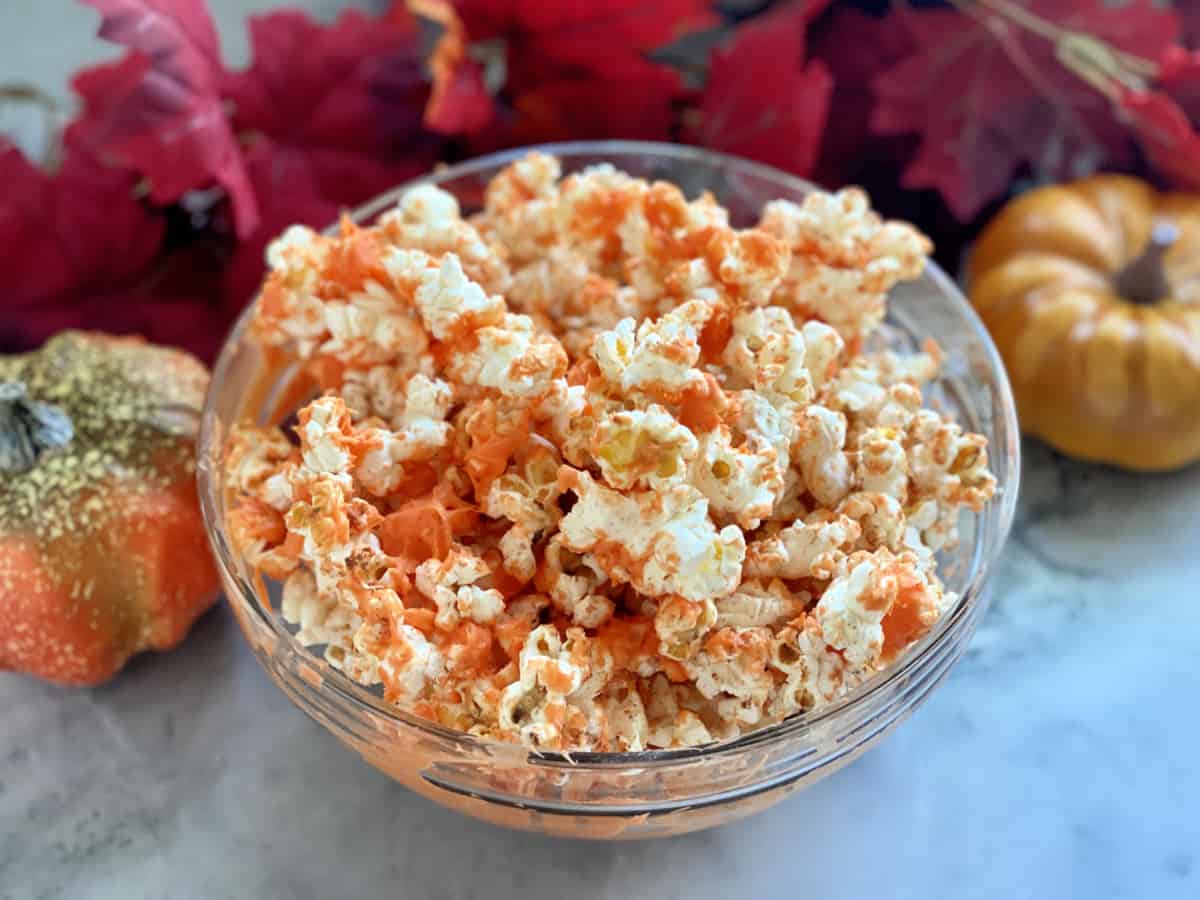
<point>654,793</point>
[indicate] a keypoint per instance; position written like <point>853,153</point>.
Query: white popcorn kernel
<point>637,448</point>
<point>449,301</point>
<point>852,608</point>
<point>821,439</point>
<point>450,584</point>
<point>661,543</point>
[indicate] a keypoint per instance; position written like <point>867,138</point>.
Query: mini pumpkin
<point>1091,291</point>
<point>102,548</point>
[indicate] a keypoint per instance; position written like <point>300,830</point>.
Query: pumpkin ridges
<point>49,633</point>
<point>102,539</point>
<point>1126,205</point>
<point>1108,369</point>
<point>1055,222</point>
<point>1173,378</point>
<point>1102,379</point>
<point>167,541</point>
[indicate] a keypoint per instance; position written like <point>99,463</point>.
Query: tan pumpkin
<point>102,547</point>
<point>1091,291</point>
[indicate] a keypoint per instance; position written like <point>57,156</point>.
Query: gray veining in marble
<point>1058,760</point>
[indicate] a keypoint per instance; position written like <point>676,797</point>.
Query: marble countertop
<point>1057,760</point>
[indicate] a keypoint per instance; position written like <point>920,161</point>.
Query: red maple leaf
<point>158,111</point>
<point>71,245</point>
<point>574,69</point>
<point>460,102</point>
<point>764,99</point>
<point>1189,22</point>
<point>856,47</point>
<point>577,36</point>
<point>1179,77</point>
<point>329,116</point>
<point>1166,135</point>
<point>988,96</point>
<point>583,107</point>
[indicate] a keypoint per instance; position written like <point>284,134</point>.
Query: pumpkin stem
<point>1142,279</point>
<point>28,428</point>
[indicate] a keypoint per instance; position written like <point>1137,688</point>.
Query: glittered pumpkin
<point>1091,291</point>
<point>102,548</point>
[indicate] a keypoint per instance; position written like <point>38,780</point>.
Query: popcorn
<point>637,448</point>
<point>850,612</point>
<point>821,439</point>
<point>654,356</point>
<point>451,584</point>
<point>450,302</point>
<point>422,433</point>
<point>844,258</point>
<point>661,543</point>
<point>520,205</point>
<point>511,358</point>
<point>593,470</point>
<point>756,604</point>
<point>733,664</point>
<point>882,463</point>
<point>768,352</point>
<point>808,549</point>
<point>427,218</point>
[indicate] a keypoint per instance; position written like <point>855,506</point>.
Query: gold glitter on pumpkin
<point>101,547</point>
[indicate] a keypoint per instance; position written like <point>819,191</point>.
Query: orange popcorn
<point>591,469</point>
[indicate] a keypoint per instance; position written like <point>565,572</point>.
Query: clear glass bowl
<point>656,793</point>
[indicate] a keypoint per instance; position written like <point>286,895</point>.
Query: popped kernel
<point>590,469</point>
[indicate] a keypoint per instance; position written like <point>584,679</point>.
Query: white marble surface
<point>1058,760</point>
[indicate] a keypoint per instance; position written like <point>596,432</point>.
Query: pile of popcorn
<point>592,469</point>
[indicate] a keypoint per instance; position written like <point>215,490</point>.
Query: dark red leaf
<point>1168,138</point>
<point>80,250</point>
<point>559,56</point>
<point>345,100</point>
<point>157,111</point>
<point>329,117</point>
<point>856,47</point>
<point>987,96</point>
<point>581,35</point>
<point>582,107</point>
<point>82,228</point>
<point>763,99</point>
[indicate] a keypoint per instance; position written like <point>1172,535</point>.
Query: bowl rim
<point>342,687</point>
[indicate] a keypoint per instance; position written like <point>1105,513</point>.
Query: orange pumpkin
<point>102,548</point>
<point>1091,291</point>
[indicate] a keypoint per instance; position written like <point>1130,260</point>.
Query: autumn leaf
<point>70,244</point>
<point>347,97</point>
<point>460,102</point>
<point>329,116</point>
<point>988,96</point>
<point>856,47</point>
<point>577,36</point>
<point>763,98</point>
<point>581,107</point>
<point>574,69</point>
<point>158,111</point>
<point>1189,23</point>
<point>1166,135</point>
